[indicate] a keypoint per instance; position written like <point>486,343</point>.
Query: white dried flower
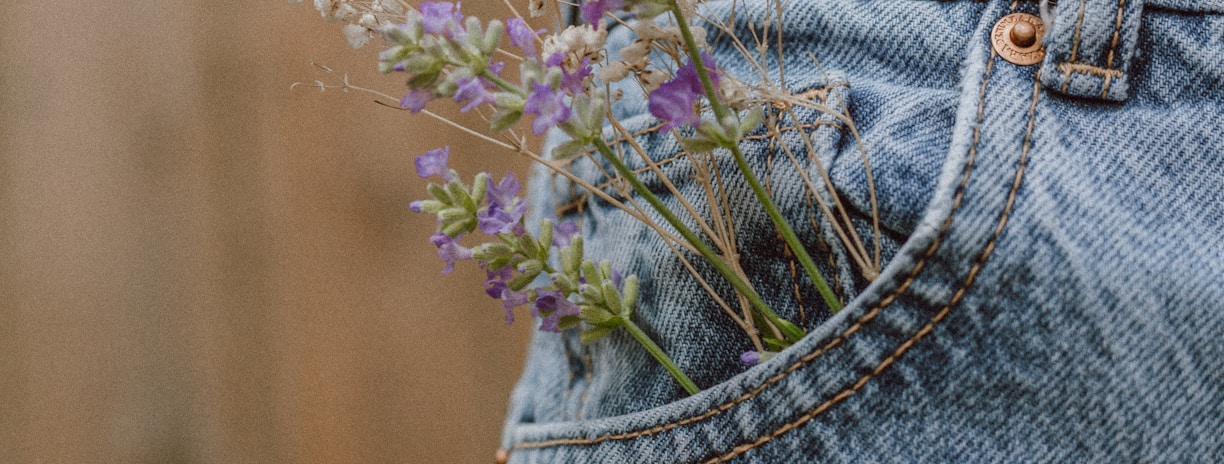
<point>637,52</point>
<point>345,12</point>
<point>614,71</point>
<point>734,93</point>
<point>535,8</point>
<point>356,35</point>
<point>651,79</point>
<point>368,21</point>
<point>576,42</point>
<point>390,6</point>
<point>325,7</point>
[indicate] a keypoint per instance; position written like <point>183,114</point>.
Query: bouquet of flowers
<point>562,85</point>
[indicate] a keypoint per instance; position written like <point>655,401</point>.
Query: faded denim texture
<point>1054,247</point>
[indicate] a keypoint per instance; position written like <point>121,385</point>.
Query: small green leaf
<point>439,193</point>
<point>568,149</point>
<point>775,344</point>
<point>503,120</point>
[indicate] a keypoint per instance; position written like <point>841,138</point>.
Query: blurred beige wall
<point>199,265</point>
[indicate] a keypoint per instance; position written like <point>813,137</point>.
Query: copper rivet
<point>1017,38</point>
<point>1023,34</point>
<point>502,456</point>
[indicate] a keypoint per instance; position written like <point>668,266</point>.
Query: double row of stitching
<point>843,336</point>
<point>1113,46</point>
<point>939,317</point>
<point>1074,65</point>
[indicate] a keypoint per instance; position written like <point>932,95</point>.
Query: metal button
<point>1017,38</point>
<point>502,456</point>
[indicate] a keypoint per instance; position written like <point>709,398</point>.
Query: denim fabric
<point>1054,247</point>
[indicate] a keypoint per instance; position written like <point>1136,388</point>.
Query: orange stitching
<point>1113,46</point>
<point>1080,68</point>
<point>1079,22</point>
<point>870,315</point>
<point>930,326</point>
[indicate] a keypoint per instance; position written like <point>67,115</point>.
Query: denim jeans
<point>1052,287</point>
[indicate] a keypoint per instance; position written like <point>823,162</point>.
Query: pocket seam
<point>943,312</point>
<point>858,324</point>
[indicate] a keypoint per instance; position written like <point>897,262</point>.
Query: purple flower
<point>593,10</point>
<point>415,206</point>
<point>433,163</point>
<point>551,306</point>
<point>474,91</point>
<point>673,101</point>
<point>510,300</point>
<point>494,287</point>
<point>496,67</point>
<point>548,106</point>
<point>564,233</point>
<point>496,220</point>
<point>450,251</point>
<point>570,82</point>
<point>522,36</point>
<point>504,192</point>
<point>442,18</point>
<point>750,358</point>
<point>416,100</point>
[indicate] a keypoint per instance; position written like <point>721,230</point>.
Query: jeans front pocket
<point>945,355</point>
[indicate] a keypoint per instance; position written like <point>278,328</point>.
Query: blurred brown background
<point>198,264</point>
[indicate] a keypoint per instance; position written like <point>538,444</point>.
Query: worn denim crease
<point>1052,286</point>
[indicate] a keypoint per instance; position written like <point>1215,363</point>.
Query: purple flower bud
<point>522,36</point>
<point>450,251</point>
<point>593,10</point>
<point>434,163</point>
<point>416,100</point>
<point>473,90</point>
<point>442,18</point>
<point>750,358</point>
<point>512,299</point>
<point>564,233</point>
<point>415,206</point>
<point>496,67</point>
<point>548,106</point>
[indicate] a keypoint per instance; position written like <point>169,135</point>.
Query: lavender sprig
<point>578,291</point>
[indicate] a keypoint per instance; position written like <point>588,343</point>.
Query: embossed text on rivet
<point>1017,38</point>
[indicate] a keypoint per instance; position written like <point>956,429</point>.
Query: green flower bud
<point>492,251</point>
<point>591,294</point>
<point>479,186</point>
<point>492,37</point>
<point>563,282</point>
<point>629,294</point>
<point>612,297</point>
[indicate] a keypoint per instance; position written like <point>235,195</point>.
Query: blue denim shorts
<point>1051,244</point>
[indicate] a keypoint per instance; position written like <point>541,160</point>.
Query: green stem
<point>789,330</point>
<point>502,83</point>
<point>658,354</point>
<point>771,209</point>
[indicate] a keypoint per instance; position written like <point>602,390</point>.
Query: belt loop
<point>1090,47</point>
